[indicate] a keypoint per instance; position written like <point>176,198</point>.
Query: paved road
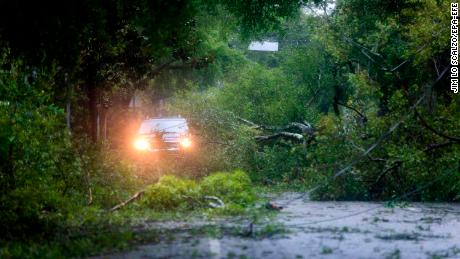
<point>330,230</point>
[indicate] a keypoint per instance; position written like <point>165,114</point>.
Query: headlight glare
<point>186,143</point>
<point>142,144</point>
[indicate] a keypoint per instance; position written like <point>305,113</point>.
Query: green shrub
<point>230,187</point>
<point>182,194</point>
<point>108,173</point>
<point>171,193</point>
<point>39,172</point>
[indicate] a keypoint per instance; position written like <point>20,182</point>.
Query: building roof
<point>264,46</point>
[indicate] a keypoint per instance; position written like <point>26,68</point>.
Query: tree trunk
<point>103,122</point>
<point>93,112</point>
<point>67,113</point>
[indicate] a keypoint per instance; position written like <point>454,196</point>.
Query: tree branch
<point>437,145</point>
<point>426,125</point>
<point>388,133</point>
<point>303,127</point>
<point>395,165</point>
<point>415,53</point>
<point>353,109</point>
<point>131,199</point>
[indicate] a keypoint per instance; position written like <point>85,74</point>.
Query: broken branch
<point>303,127</point>
<point>215,202</point>
<point>131,199</point>
<point>289,135</point>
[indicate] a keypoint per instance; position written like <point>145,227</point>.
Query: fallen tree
<point>301,132</point>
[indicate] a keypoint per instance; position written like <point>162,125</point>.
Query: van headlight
<point>142,144</point>
<point>186,142</point>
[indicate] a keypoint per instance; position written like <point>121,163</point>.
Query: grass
<point>282,187</point>
<point>396,254</point>
<point>270,230</point>
<point>326,250</point>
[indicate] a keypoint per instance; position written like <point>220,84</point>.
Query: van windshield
<point>162,125</point>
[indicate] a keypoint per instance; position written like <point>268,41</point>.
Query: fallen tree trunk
<point>304,131</point>
<point>289,135</point>
<point>131,199</point>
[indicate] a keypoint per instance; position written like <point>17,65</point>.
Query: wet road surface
<point>311,229</point>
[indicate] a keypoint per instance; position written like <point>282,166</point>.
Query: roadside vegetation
<point>355,105</point>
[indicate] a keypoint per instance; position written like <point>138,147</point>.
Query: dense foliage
<point>370,78</point>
